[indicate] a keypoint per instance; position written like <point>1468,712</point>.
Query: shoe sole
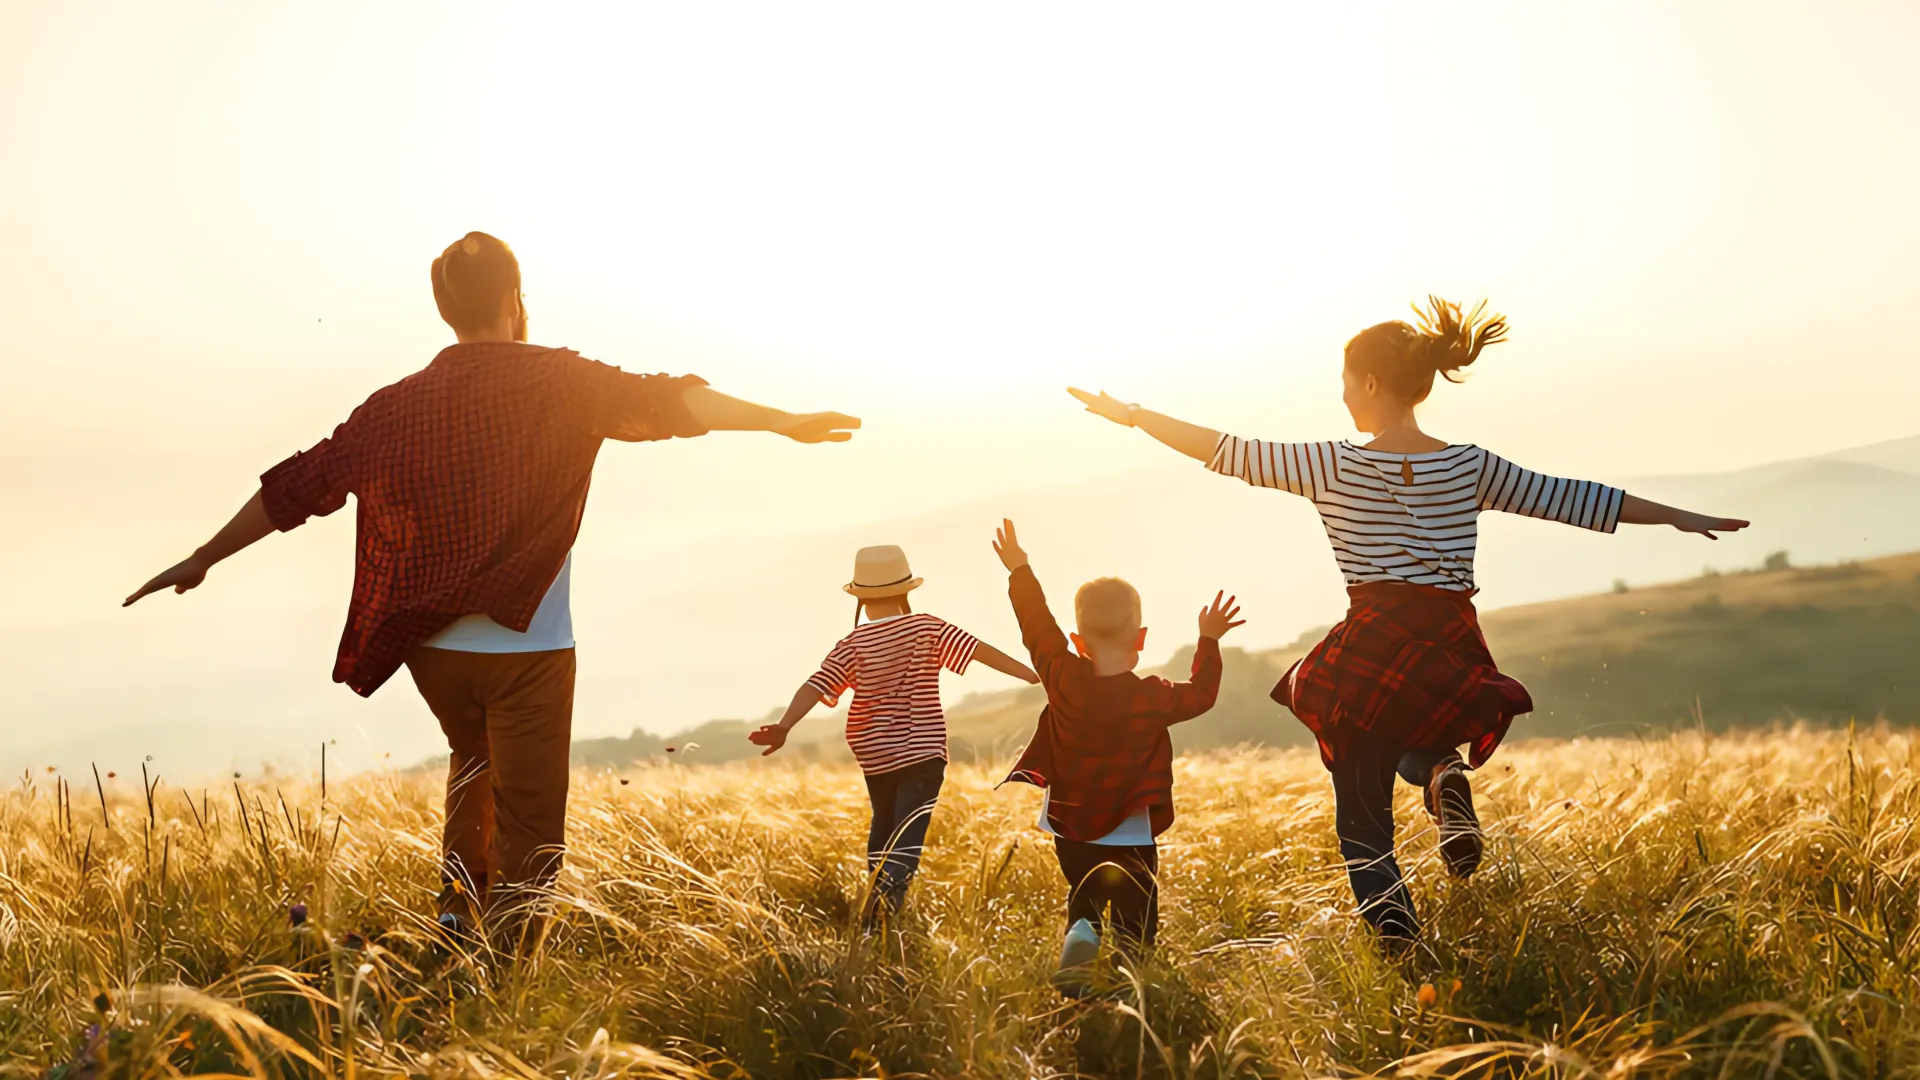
<point>1461,844</point>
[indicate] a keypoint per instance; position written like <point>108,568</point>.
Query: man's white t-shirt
<point>552,626</point>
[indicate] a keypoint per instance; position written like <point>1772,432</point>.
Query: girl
<point>895,726</point>
<point>1406,678</point>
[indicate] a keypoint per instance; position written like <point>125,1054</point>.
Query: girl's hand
<point>1708,526</point>
<point>1105,406</point>
<point>771,736</point>
<point>1006,544</point>
<point>1215,621</point>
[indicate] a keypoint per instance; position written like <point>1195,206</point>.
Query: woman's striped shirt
<point>893,668</point>
<point>1412,517</point>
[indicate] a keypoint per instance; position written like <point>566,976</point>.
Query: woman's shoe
<point>1450,801</point>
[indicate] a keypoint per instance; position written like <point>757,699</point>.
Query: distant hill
<point>1824,644</point>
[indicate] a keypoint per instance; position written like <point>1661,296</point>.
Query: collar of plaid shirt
<point>471,476</point>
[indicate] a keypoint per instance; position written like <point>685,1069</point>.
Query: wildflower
<point>297,914</point>
<point>624,781</point>
<point>1456,987</point>
<point>101,1002</point>
<point>1427,996</point>
<point>111,774</point>
<point>669,749</point>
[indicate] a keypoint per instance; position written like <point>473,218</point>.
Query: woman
<point>1406,678</point>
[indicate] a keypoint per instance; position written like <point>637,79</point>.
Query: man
<point>471,476</point>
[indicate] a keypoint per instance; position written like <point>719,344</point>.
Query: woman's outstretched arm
<point>1196,442</point>
<point>1637,511</point>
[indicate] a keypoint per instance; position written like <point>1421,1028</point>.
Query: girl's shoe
<point>1450,801</point>
<point>1077,955</point>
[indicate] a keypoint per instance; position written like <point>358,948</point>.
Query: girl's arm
<point>1637,511</point>
<point>774,736</point>
<point>1196,442</point>
<point>1006,665</point>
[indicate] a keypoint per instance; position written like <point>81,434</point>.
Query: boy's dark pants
<point>903,801</point>
<point>1115,885</point>
<point>1363,818</point>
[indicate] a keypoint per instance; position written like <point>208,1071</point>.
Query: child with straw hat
<point>895,726</point>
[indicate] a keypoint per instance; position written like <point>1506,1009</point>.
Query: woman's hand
<point>771,736</point>
<point>1708,527</point>
<point>1105,406</point>
<point>1216,620</point>
<point>1006,544</point>
<point>1635,510</point>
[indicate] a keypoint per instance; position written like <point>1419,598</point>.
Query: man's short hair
<point>471,277</point>
<point>1107,610</point>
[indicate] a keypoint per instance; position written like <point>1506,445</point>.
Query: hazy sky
<point>218,220</point>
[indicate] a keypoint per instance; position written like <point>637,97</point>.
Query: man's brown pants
<point>508,718</point>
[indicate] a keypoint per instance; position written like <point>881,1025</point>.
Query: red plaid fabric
<point>471,477</point>
<point>1409,668</point>
<point>1101,748</point>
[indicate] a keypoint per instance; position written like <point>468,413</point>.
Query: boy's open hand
<point>1104,405</point>
<point>771,736</point>
<point>1007,545</point>
<point>819,427</point>
<point>1221,617</point>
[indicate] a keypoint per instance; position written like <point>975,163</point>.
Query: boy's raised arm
<point>1038,629</point>
<point>1179,702</point>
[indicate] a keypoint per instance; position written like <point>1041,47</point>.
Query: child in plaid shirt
<point>1101,750</point>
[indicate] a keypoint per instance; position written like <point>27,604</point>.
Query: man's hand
<point>1216,620</point>
<point>186,574</point>
<point>771,736</point>
<point>1105,405</point>
<point>819,427</point>
<point>1007,545</point>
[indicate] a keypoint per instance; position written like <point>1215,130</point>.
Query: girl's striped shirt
<point>1412,517</point>
<point>893,668</point>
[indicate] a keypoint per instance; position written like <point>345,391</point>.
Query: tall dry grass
<point>1693,906</point>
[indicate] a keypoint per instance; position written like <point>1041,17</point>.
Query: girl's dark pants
<point>903,801</point>
<point>1114,885</point>
<point>1363,818</point>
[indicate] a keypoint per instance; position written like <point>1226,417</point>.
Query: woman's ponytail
<point>1453,341</point>
<point>1406,356</point>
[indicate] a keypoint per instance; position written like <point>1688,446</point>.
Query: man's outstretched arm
<point>247,526</point>
<point>718,412</point>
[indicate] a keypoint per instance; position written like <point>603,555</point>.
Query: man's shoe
<point>1077,955</point>
<point>1450,801</point>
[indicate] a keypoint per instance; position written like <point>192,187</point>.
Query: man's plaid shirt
<point>471,477</point>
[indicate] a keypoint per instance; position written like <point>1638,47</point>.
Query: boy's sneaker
<point>1077,955</point>
<point>1450,801</point>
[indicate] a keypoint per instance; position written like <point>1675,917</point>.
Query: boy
<point>895,726</point>
<point>1101,750</point>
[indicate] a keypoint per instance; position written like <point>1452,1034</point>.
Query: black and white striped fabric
<point>1412,517</point>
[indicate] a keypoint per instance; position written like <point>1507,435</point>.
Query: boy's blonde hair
<point>1107,610</point>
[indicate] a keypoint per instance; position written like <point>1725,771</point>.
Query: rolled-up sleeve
<point>311,483</point>
<point>635,408</point>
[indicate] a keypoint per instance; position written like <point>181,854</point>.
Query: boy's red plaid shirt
<point>1101,747</point>
<point>471,476</point>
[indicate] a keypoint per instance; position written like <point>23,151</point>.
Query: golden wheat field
<point>1688,906</point>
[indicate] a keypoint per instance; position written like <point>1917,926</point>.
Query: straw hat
<point>882,571</point>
